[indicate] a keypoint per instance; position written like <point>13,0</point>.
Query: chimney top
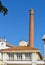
<point>31,11</point>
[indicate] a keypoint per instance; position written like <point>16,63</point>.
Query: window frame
<point>11,56</point>
<point>19,56</point>
<point>27,56</point>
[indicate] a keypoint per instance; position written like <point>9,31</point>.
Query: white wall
<point>3,45</point>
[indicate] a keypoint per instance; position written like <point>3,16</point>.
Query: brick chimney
<point>31,29</point>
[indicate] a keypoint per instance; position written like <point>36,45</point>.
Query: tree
<point>3,9</point>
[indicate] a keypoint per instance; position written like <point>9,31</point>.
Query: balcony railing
<point>19,60</point>
<point>24,62</point>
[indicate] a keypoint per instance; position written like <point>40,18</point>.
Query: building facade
<point>20,55</point>
<point>24,54</point>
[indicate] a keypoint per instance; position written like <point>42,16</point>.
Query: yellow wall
<point>15,56</point>
<point>1,63</point>
<point>37,57</point>
<point>7,57</point>
<point>23,56</point>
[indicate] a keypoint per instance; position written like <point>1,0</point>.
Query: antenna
<point>5,38</point>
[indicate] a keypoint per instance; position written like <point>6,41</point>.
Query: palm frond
<point>3,9</point>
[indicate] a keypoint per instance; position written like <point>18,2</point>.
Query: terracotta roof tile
<point>21,48</point>
<point>18,48</point>
<point>8,44</point>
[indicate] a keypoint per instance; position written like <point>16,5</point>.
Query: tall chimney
<point>31,29</point>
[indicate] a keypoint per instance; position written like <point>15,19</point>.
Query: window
<point>27,56</point>
<point>19,56</point>
<point>2,43</point>
<point>11,56</point>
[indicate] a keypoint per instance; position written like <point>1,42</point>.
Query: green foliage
<point>3,9</point>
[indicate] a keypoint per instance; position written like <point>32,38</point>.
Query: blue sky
<point>15,25</point>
